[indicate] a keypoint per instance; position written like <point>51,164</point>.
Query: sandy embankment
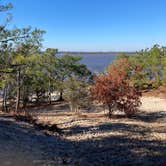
<point>153,104</point>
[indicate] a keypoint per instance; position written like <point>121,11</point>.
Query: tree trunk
<point>4,103</point>
<point>71,107</point>
<point>49,93</point>
<point>18,91</point>
<point>37,96</point>
<point>111,109</point>
<point>61,96</point>
<point>49,96</point>
<point>3,100</point>
<point>25,97</point>
<point>76,109</point>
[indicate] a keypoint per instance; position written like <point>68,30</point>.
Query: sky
<point>94,25</point>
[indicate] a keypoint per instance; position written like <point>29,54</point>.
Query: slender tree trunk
<point>25,97</point>
<point>18,91</point>
<point>61,96</point>
<point>5,99</point>
<point>37,96</point>
<point>71,107</point>
<point>110,108</point>
<point>4,102</point>
<point>49,93</point>
<point>77,109</point>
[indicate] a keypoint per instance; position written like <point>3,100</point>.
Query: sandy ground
<point>88,139</point>
<point>153,104</point>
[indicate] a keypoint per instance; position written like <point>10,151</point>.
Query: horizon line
<point>97,51</point>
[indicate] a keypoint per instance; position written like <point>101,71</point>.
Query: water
<point>96,62</point>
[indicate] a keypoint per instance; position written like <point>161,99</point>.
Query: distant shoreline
<point>75,52</point>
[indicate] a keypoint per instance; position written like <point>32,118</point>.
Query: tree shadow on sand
<point>151,116</point>
<point>31,147</point>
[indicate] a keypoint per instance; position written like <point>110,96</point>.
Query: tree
<point>114,89</point>
<point>68,66</point>
<point>16,48</point>
<point>49,60</point>
<point>17,60</point>
<point>147,67</point>
<point>25,50</point>
<point>76,93</point>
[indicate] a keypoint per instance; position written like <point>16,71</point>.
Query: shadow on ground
<point>21,144</point>
<point>151,116</point>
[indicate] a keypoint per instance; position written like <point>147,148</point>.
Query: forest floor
<point>90,138</point>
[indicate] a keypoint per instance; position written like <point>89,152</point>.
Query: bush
<point>114,90</point>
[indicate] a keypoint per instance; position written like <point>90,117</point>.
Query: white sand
<point>153,104</point>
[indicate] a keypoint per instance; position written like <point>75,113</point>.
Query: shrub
<point>114,89</point>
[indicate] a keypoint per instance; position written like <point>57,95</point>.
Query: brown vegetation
<point>114,90</point>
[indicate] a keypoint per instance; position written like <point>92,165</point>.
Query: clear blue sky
<point>95,25</point>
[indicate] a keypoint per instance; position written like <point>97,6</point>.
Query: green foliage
<point>68,66</point>
<point>5,7</point>
<point>75,93</point>
<point>35,73</point>
<point>19,50</point>
<point>147,67</point>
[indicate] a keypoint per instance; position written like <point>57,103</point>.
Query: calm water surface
<point>96,62</point>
